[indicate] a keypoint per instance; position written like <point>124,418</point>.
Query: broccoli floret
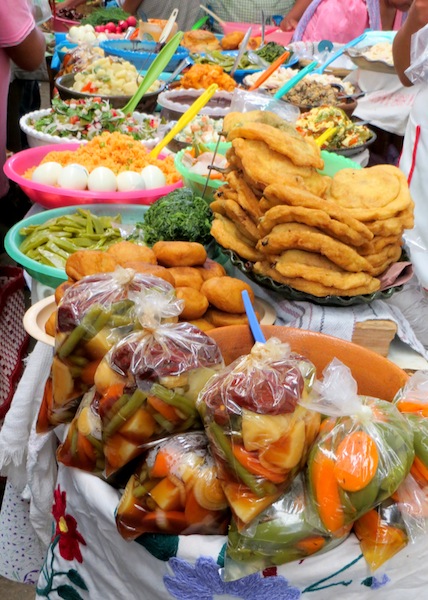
<point>179,216</point>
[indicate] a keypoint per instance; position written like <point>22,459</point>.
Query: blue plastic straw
<point>288,85</point>
<point>336,55</point>
<point>252,319</point>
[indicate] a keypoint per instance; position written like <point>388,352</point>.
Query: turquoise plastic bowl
<point>51,276</point>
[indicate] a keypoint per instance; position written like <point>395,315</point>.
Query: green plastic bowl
<point>51,276</point>
<point>335,162</point>
<point>197,182</point>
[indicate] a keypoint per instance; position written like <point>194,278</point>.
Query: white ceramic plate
<point>36,316</point>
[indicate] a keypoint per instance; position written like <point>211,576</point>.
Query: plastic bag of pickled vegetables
<point>259,434</point>
<point>362,454</point>
<point>149,381</point>
<point>280,534</point>
<point>385,530</point>
<point>92,315</point>
<point>175,490</point>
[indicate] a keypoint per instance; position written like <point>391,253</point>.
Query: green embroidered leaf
<point>161,546</point>
<point>220,559</point>
<point>75,578</point>
<point>367,582</point>
<point>68,593</point>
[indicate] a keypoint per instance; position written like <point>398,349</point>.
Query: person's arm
<point>29,54</point>
<point>130,6</point>
<point>416,19</point>
<point>71,3</point>
<point>291,19</point>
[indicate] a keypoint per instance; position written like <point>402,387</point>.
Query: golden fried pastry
<point>225,293</point>
<point>210,269</point>
<point>187,277</point>
<point>394,225</point>
<point>378,192</point>
<point>150,269</point>
<point>228,235</point>
<point>302,151</point>
<point>314,218</point>
<point>265,166</point>
<point>378,243</point>
<point>298,197</point>
<point>219,318</point>
<point>302,237</point>
<point>87,262</point>
<point>200,40</point>
<point>125,251</point>
<point>383,259</point>
<point>231,40</point>
<point>311,287</point>
<point>50,325</point>
<point>245,196</point>
<point>233,211</point>
<point>317,268</point>
<point>195,303</point>
<point>61,289</point>
<point>202,324</point>
<point>180,254</point>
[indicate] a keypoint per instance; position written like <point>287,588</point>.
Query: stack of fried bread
<point>317,234</point>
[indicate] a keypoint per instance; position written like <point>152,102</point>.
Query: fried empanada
<point>227,235</point>
<point>233,211</point>
<point>394,225</point>
<point>245,196</point>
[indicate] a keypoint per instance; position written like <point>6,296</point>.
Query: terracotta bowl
<point>376,376</point>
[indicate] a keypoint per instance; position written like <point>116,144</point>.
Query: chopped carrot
<point>311,545</point>
<point>250,461</point>
<point>413,406</point>
<point>326,492</point>
<point>195,514</point>
<point>85,448</point>
<point>88,372</point>
<point>162,464</point>
<point>164,409</point>
<point>419,470</point>
<point>134,34</point>
<point>371,527</point>
<point>357,459</point>
<point>43,424</point>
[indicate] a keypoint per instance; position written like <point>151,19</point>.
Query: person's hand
<point>288,23</point>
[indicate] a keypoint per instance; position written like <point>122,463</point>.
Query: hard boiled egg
<point>153,177</point>
<point>47,173</point>
<point>128,181</point>
<point>73,177</point>
<point>102,179</point>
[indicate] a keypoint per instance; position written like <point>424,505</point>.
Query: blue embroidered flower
<point>374,584</point>
<point>202,581</point>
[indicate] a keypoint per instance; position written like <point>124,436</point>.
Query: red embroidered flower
<point>66,529</point>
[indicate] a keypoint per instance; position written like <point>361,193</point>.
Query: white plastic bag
<point>417,72</point>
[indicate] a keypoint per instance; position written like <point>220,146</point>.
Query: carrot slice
<point>164,409</point>
<point>250,461</point>
<point>195,513</point>
<point>162,464</point>
<point>419,470</point>
<point>413,406</point>
<point>88,372</point>
<point>43,424</point>
<point>311,545</point>
<point>357,459</point>
<point>326,492</point>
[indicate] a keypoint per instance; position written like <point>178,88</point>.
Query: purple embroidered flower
<point>202,581</point>
<point>31,577</point>
<point>378,583</point>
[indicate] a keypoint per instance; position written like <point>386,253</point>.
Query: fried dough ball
<point>50,325</point>
<point>202,324</point>
<point>151,269</point>
<point>231,40</point>
<point>210,269</point>
<point>195,303</point>
<point>125,251</point>
<point>219,318</point>
<point>61,289</point>
<point>187,277</point>
<point>87,262</point>
<point>180,254</point>
<point>225,293</point>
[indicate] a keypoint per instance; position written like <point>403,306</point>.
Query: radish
<point>132,21</point>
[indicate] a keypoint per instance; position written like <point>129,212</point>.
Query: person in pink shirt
<point>24,44</point>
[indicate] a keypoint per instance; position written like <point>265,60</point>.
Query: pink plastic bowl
<point>54,197</point>
<point>256,30</point>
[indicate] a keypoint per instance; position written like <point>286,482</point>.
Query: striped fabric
<point>249,11</point>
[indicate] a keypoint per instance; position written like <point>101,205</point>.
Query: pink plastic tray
<point>256,30</point>
<point>53,197</point>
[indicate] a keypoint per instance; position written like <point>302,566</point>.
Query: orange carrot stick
<point>311,545</point>
<point>161,465</point>
<point>413,406</point>
<point>250,461</point>
<point>357,459</point>
<point>326,492</point>
<point>164,409</point>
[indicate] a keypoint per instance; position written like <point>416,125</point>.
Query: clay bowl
<point>376,376</point>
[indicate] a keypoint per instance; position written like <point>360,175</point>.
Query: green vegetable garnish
<point>179,216</point>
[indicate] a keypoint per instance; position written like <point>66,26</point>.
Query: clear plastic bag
<point>259,434</point>
<point>280,534</point>
<point>83,446</point>
<point>41,11</point>
<point>244,101</point>
<point>175,490</point>
<point>417,72</point>
<point>92,315</point>
<point>149,382</point>
<point>362,455</point>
